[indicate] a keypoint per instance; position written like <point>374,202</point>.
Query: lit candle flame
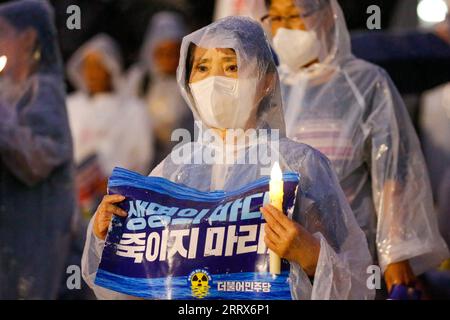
<point>3,61</point>
<point>276,174</point>
<point>276,199</point>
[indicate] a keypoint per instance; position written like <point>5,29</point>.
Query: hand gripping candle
<point>276,199</point>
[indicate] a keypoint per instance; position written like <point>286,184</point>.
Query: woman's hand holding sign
<point>104,213</point>
<point>290,240</point>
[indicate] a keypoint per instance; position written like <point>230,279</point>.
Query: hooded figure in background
<point>36,190</point>
<point>154,79</point>
<point>351,111</point>
<point>229,79</point>
<point>106,122</point>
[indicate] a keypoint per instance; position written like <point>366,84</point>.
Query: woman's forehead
<point>292,7</point>
<point>93,56</point>
<point>283,5</point>
<point>200,52</point>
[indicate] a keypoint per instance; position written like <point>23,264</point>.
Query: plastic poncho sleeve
<point>90,261</point>
<point>407,227</point>
<point>344,254</point>
<point>34,146</point>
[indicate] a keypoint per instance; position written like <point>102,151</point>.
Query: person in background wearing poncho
<point>101,114</point>
<point>351,111</point>
<point>229,79</point>
<point>37,202</point>
<point>154,80</point>
<point>110,128</point>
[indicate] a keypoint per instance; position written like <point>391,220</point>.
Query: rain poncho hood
<point>36,191</point>
<point>101,44</point>
<point>255,64</point>
<point>322,208</point>
<point>326,19</point>
<point>351,111</point>
<point>165,25</point>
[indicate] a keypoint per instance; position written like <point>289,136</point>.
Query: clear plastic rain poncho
<point>321,206</point>
<point>167,108</point>
<point>351,111</point>
<point>111,125</point>
<point>36,190</point>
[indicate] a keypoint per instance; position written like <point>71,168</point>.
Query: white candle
<point>3,61</point>
<point>276,199</point>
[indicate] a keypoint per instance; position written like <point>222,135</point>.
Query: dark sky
<point>126,20</point>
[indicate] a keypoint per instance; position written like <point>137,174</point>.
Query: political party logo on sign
<point>200,281</point>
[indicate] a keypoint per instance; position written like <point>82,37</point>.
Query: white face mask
<point>296,48</point>
<point>220,104</point>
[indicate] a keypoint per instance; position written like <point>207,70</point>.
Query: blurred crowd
<point>58,148</point>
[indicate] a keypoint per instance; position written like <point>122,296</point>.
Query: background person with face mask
<point>154,79</point>
<point>228,77</point>
<point>351,111</point>
<point>36,191</point>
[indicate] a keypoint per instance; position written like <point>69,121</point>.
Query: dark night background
<point>126,20</point>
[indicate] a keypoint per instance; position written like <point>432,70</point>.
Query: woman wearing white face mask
<point>351,111</point>
<point>229,79</point>
<point>217,92</point>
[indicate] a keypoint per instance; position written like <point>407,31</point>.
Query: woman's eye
<point>202,68</point>
<point>233,68</point>
<point>275,19</point>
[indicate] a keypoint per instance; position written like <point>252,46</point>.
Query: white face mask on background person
<point>220,104</point>
<point>296,48</point>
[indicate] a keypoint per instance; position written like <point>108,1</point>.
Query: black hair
<point>189,61</point>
